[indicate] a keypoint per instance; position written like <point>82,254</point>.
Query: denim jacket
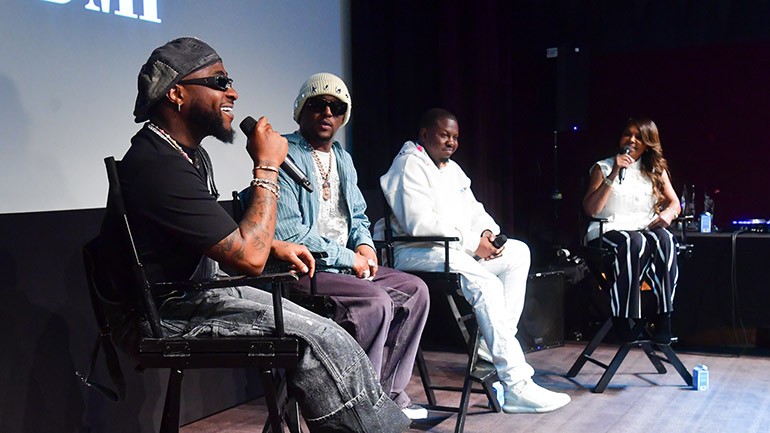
<point>298,209</point>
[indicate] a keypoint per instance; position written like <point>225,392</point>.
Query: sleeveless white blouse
<point>631,204</point>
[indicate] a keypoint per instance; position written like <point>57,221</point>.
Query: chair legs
<point>285,409</point>
<point>427,386</point>
<point>271,400</point>
<point>585,355</point>
<point>485,375</point>
<point>170,421</point>
<point>650,349</point>
<point>676,363</point>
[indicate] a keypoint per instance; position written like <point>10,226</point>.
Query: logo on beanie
<point>125,8</point>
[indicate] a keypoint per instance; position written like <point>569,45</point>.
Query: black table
<point>723,287</point>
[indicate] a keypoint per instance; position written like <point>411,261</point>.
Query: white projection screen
<point>68,73</point>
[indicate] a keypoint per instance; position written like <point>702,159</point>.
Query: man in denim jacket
<point>384,309</point>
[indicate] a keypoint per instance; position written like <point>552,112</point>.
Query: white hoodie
<point>428,201</point>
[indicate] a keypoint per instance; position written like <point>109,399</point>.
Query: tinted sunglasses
<point>338,108</point>
<point>218,82</point>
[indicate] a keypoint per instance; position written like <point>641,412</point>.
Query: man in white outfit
<point>430,195</point>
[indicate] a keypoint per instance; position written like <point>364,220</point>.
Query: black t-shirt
<point>173,215</point>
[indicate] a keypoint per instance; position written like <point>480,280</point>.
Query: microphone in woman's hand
<point>499,240</point>
<point>622,174</point>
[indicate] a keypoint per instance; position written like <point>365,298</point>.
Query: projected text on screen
<point>125,8</point>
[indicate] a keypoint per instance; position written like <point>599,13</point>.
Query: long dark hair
<point>652,161</point>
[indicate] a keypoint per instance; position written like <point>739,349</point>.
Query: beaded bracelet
<point>267,184</point>
<point>607,182</point>
<point>266,181</point>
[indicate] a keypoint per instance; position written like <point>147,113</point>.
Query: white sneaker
<point>415,411</point>
<point>528,397</point>
<point>484,353</point>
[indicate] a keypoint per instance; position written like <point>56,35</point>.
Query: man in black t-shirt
<point>182,232</point>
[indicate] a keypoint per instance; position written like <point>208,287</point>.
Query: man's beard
<point>213,123</point>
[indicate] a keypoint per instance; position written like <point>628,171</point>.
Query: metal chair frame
<point>597,259</point>
<point>126,286</point>
<point>447,285</point>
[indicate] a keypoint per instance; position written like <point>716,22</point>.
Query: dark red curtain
<point>697,68</point>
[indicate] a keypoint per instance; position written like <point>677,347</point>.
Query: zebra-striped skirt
<point>642,256</point>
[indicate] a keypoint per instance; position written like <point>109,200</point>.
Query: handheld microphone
<point>499,240</point>
<point>622,174</point>
<point>247,126</point>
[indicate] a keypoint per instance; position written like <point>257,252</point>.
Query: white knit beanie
<point>323,83</point>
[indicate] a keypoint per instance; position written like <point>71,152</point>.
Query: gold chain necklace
<point>326,186</point>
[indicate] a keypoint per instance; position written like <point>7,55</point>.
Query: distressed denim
<point>334,383</point>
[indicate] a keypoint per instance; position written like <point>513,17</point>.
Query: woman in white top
<point>633,191</point>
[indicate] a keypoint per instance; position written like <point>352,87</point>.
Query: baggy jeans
<point>334,382</point>
<point>385,316</point>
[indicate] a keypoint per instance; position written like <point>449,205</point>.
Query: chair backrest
<point>388,233</point>
<point>118,271</point>
<point>390,239</point>
<point>448,303</point>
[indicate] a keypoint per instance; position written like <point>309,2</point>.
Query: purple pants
<point>386,317</point>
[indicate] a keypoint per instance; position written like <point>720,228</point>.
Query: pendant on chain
<point>326,190</point>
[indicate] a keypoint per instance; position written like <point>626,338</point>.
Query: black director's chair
<point>599,260</point>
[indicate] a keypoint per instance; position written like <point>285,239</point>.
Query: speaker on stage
<point>542,323</point>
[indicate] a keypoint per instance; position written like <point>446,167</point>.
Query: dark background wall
<point>49,330</point>
<point>697,68</point>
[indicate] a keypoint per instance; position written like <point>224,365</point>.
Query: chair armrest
<point>444,239</point>
<point>230,281</point>
<point>279,266</point>
<point>425,239</point>
<point>379,244</point>
<point>601,222</point>
<point>241,280</point>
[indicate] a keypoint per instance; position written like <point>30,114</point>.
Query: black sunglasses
<point>319,105</point>
<point>219,82</point>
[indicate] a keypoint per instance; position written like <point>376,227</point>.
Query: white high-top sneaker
<point>528,397</point>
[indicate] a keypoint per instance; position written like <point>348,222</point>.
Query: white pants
<point>495,288</point>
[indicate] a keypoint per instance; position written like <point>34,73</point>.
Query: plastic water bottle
<point>705,222</point>
<point>700,378</point>
<point>683,200</point>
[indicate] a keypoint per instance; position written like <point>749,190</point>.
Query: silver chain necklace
<point>170,140</point>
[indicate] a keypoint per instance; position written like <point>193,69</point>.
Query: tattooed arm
<point>247,248</point>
